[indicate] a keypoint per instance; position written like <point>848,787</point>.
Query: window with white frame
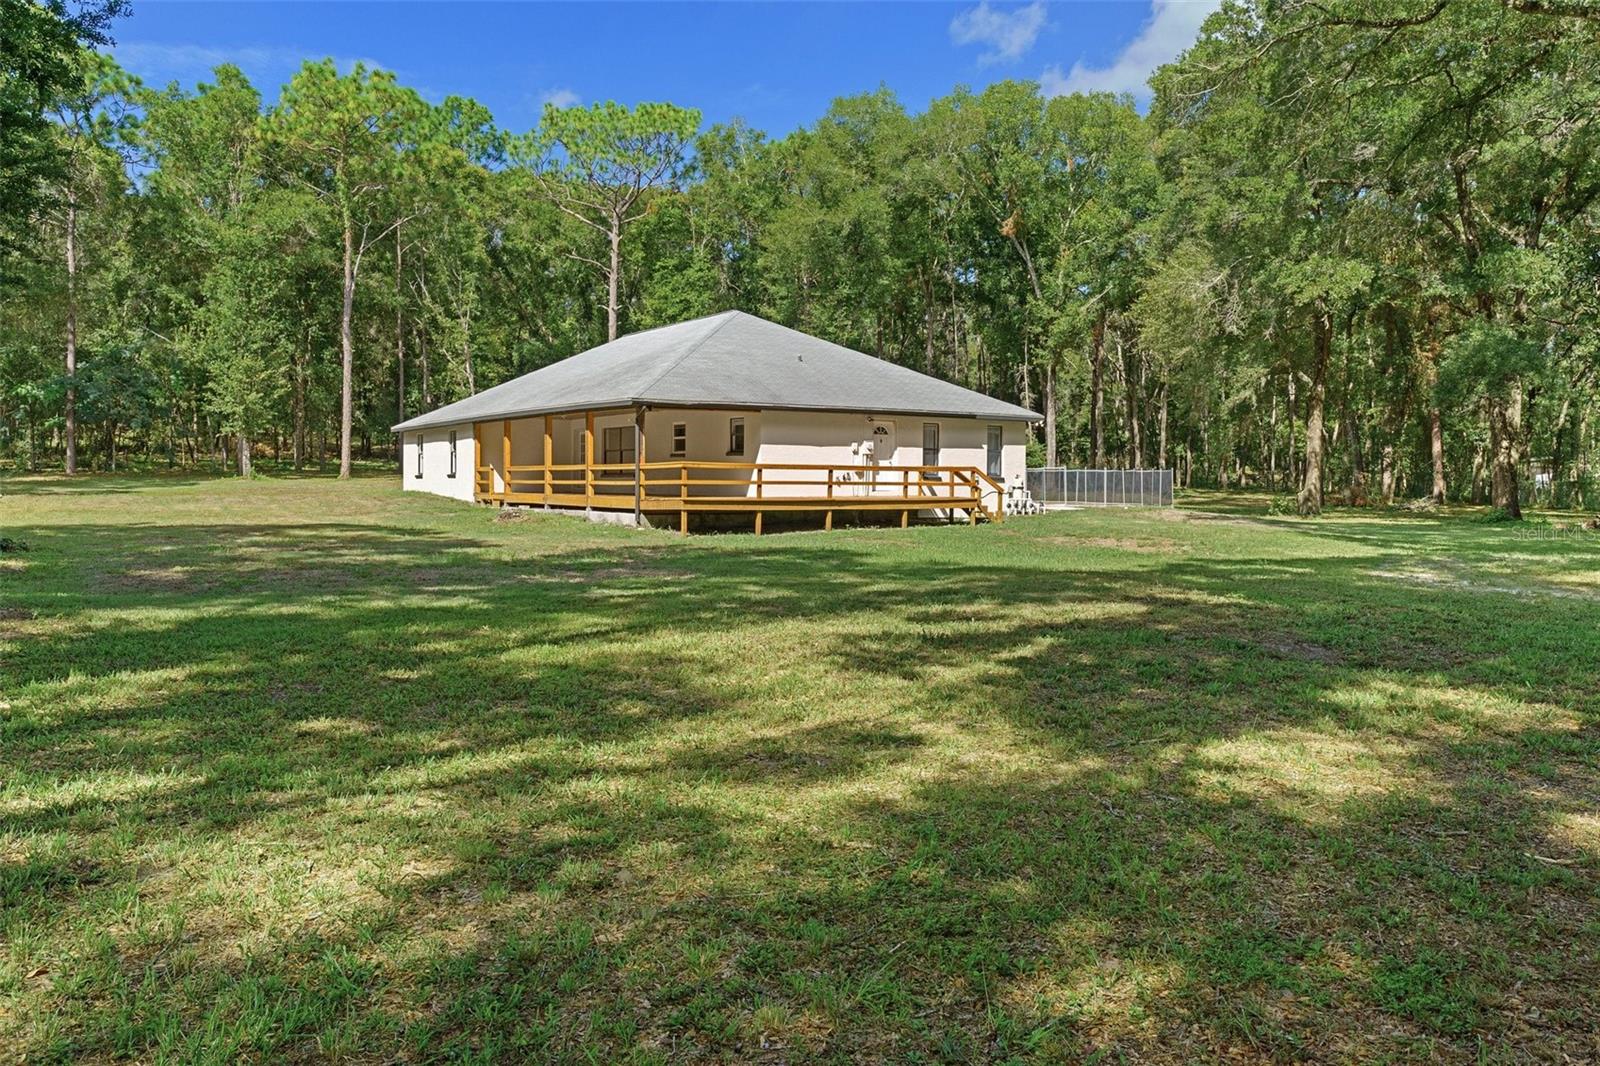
<point>735,436</point>
<point>680,440</point>
<point>452,454</point>
<point>419,455</point>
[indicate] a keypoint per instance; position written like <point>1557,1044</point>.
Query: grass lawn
<point>294,769</point>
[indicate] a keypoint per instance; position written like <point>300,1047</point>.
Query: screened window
<point>735,436</point>
<point>419,455</point>
<point>617,446</point>
<point>930,444</point>
<point>452,454</point>
<point>994,451</point>
<point>680,439</point>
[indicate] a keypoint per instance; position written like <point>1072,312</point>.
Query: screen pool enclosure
<point>1055,486</point>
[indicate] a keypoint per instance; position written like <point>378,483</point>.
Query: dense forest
<point>1350,252</point>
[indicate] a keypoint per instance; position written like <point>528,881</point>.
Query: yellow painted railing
<point>722,486</point>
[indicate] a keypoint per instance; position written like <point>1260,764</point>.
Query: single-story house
<point>720,416</point>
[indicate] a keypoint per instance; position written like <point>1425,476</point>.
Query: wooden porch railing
<point>688,486</point>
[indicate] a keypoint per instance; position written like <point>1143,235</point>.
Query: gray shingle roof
<point>728,360</point>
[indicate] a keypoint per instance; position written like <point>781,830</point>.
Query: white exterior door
<point>881,434</point>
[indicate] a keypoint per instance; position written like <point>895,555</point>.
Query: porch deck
<point>693,486</point>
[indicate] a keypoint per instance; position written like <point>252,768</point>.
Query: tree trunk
<point>1479,461</point>
<point>1050,414</point>
<point>613,275</point>
<point>466,353</point>
<point>1556,458</point>
<point>1390,477</point>
<point>1352,440</point>
<point>1127,358</point>
<point>1291,473</point>
<point>244,455</point>
<point>1097,390</point>
<point>1161,445</point>
<point>1310,498</point>
<point>1582,457</point>
<point>1502,458</point>
<point>427,379</point>
<point>72,335</point>
<point>1436,448</point>
<point>298,405</point>
<point>1272,442</point>
<point>399,348</point>
<point>347,347</point>
<point>1025,373</point>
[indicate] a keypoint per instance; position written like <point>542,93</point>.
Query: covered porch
<point>605,460</point>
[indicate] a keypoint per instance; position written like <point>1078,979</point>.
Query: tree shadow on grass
<point>678,835</point>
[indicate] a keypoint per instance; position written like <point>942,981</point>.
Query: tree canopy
<point>1350,250</point>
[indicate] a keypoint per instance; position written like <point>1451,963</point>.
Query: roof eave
<point>428,421</point>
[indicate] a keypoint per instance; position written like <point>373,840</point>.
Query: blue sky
<point>776,65</point>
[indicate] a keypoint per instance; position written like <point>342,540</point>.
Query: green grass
<point>307,770</point>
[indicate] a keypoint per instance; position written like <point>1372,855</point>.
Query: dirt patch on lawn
<point>192,580</point>
<point>1286,647</point>
<point>1152,545</point>
<point>1146,545</point>
<point>1213,518</point>
<point>157,579</point>
<point>570,576</point>
<point>9,616</point>
<point>1446,576</point>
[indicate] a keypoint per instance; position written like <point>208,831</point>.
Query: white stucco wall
<point>839,439</point>
<point>706,440</point>
<point>435,474</point>
<point>814,438</point>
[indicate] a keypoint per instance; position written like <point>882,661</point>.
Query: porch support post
<point>638,466</point>
<point>505,449</point>
<point>549,456</point>
<point>588,459</point>
<point>477,456</point>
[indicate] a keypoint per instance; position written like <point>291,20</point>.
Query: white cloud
<point>1172,27</point>
<point>1008,33</point>
<point>159,62</point>
<point>560,98</point>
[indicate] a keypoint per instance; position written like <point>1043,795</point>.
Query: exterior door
<point>883,445</point>
<point>995,439</point>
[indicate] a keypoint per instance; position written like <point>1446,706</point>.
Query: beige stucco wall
<point>814,438</point>
<point>436,462</point>
<point>706,440</point>
<point>839,439</point>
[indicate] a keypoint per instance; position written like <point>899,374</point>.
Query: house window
<point>994,451</point>
<point>617,446</point>
<point>930,444</point>
<point>419,455</point>
<point>735,436</point>
<point>680,440</point>
<point>452,454</point>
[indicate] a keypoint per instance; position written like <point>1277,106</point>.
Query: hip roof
<point>732,359</point>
